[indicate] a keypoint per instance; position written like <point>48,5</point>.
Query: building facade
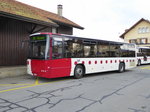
<point>18,21</point>
<point>139,33</point>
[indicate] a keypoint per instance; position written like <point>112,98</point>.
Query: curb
<point>12,71</point>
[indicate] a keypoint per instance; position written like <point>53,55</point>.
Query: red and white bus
<point>56,55</point>
<point>143,55</point>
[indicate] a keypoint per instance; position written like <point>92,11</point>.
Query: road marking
<point>14,84</point>
<point>16,88</point>
<point>24,86</point>
<point>147,67</point>
<point>36,83</point>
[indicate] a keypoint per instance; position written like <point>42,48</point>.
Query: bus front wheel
<point>79,71</point>
<point>121,67</point>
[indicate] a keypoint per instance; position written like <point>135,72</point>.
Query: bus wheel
<point>121,67</point>
<point>139,62</point>
<point>78,72</point>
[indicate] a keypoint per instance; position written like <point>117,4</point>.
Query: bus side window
<point>77,48</point>
<point>87,49</point>
<point>127,50</point>
<point>68,47</point>
<point>57,51</point>
<point>90,48</point>
<point>124,52</point>
<point>73,48</point>
<point>103,49</point>
<point>93,51</point>
<point>114,50</point>
<point>148,52</point>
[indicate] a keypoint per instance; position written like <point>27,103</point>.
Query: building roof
<point>18,10</point>
<point>126,31</point>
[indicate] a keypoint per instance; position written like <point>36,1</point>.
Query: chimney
<point>59,9</point>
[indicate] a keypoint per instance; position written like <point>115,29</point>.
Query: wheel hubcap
<point>122,68</point>
<point>79,71</point>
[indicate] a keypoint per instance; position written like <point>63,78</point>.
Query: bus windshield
<point>39,47</point>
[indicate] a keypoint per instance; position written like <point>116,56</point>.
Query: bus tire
<point>139,62</point>
<point>79,72</point>
<point>121,68</point>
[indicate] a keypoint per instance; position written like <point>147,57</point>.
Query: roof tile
<point>24,10</point>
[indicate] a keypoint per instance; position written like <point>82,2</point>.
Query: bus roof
<point>84,38</point>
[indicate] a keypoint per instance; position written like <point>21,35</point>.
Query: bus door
<point>59,66</point>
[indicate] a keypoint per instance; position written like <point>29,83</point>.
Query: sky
<point>102,19</point>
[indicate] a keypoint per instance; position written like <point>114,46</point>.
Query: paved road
<point>104,92</point>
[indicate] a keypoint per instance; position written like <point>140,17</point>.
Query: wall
<point>65,30</point>
<point>133,34</point>
<point>12,33</point>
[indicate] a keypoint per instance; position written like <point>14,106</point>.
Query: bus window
<point>87,51</point>
<point>77,48</point>
<point>68,47</point>
<point>114,50</point>
<point>57,51</point>
<point>127,50</point>
<point>103,49</point>
<point>143,51</point>
<point>93,51</point>
<point>73,48</point>
<point>148,52</point>
<point>139,52</point>
<point>124,52</point>
<point>90,48</point>
<point>39,47</point>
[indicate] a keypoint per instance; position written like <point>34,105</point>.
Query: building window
<point>143,40</point>
<point>143,30</point>
<point>133,41</point>
<point>147,29</point>
<point>139,30</point>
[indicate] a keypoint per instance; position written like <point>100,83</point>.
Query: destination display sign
<point>38,38</point>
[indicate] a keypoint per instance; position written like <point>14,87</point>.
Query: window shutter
<point>129,41</point>
<point>146,40</point>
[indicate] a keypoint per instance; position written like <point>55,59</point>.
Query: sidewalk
<point>12,71</point>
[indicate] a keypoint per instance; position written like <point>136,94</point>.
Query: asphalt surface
<point>102,92</point>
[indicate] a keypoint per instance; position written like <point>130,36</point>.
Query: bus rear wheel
<point>79,72</point>
<point>121,67</point>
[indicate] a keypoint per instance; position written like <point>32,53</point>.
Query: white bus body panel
<point>142,60</point>
<point>95,65</point>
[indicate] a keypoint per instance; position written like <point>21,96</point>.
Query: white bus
<point>143,55</point>
<point>55,55</point>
